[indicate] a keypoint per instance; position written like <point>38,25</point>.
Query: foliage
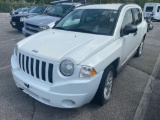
<point>8,6</point>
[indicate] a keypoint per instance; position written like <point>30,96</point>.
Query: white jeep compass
<point>78,59</point>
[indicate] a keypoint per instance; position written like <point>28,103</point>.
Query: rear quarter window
<point>137,16</point>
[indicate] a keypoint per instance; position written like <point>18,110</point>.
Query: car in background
<point>60,1</point>
<point>48,20</point>
<point>17,21</point>
<point>152,8</point>
<point>67,1</point>
<point>22,10</point>
<point>13,12</point>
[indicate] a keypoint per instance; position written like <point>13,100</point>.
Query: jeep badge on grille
<point>35,51</point>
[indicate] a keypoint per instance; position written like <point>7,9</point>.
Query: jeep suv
<point>78,59</point>
<point>48,20</point>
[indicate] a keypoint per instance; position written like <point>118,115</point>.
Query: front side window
<point>149,9</point>
<point>128,19</point>
<point>94,21</point>
<point>60,10</point>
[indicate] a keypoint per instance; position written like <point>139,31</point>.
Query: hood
<point>58,45</point>
<point>25,14</point>
<point>42,20</point>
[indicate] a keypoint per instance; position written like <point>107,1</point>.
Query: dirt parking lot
<point>127,96</point>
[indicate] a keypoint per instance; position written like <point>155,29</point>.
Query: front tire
<point>105,88</point>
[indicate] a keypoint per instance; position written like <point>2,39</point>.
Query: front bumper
<point>66,94</point>
<point>17,25</point>
<point>27,32</point>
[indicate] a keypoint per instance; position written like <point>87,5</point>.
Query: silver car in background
<point>42,22</point>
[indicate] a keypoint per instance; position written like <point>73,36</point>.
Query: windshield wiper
<point>56,15</point>
<point>82,30</point>
<point>49,14</point>
<point>61,28</point>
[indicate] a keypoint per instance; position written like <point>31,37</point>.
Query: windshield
<point>38,9</point>
<point>60,10</point>
<point>94,21</point>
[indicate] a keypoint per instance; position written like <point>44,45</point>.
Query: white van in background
<point>150,8</point>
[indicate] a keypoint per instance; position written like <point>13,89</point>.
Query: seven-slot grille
<point>15,19</point>
<point>36,68</point>
<point>33,28</point>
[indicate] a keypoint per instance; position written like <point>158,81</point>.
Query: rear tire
<point>140,49</point>
<point>105,88</point>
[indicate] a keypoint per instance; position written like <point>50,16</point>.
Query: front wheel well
<point>115,64</point>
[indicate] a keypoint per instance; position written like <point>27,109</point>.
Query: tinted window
<point>38,9</point>
<point>60,10</point>
<point>47,9</point>
<point>158,9</point>
<point>128,18</point>
<point>149,9</point>
<point>137,16</point>
<point>93,21</point>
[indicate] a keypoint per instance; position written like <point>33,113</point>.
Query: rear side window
<point>158,9</point>
<point>149,9</point>
<point>137,16</point>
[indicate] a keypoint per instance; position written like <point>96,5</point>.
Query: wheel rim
<point>108,85</point>
<point>141,48</point>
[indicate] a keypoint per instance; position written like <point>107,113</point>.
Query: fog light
<point>68,103</point>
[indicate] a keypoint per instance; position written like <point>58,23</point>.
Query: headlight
<point>44,27</point>
<point>87,72</point>
<point>67,67</point>
<point>16,50</point>
<point>22,19</point>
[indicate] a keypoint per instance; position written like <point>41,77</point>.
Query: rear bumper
<point>66,94</point>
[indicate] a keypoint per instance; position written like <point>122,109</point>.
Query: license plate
<point>13,23</point>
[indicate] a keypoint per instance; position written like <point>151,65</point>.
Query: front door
<point>128,40</point>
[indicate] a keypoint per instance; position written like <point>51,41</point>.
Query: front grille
<point>35,67</point>
<point>33,28</point>
<point>15,19</point>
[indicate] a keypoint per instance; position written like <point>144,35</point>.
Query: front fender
<point>100,60</point>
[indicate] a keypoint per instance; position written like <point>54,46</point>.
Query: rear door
<point>137,15</point>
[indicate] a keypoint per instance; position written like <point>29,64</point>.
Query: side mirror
<point>129,29</point>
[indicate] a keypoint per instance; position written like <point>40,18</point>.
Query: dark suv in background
<point>17,20</point>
